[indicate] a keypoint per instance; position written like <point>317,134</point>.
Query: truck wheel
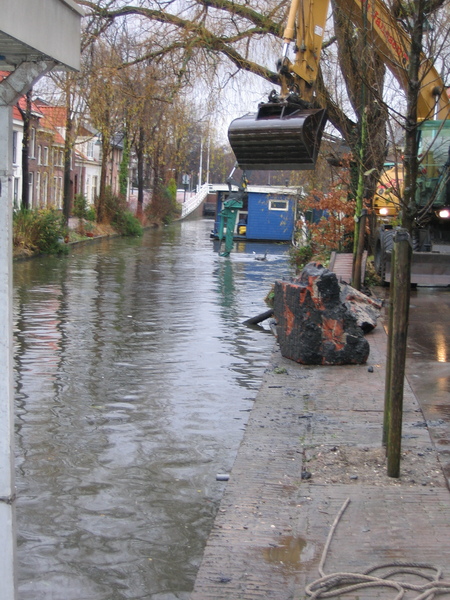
<point>384,244</point>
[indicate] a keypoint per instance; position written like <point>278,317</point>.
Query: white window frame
<point>94,188</point>
<point>38,186</point>
<point>31,187</point>
<point>45,189</point>
<point>274,201</point>
<point>59,188</point>
<point>32,145</point>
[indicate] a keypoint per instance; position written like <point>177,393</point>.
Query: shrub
<point>127,224</point>
<point>164,207</point>
<point>299,256</point>
<point>80,206</point>
<point>113,205</point>
<point>120,218</point>
<point>329,217</point>
<point>40,231</point>
<point>90,214</point>
<point>172,189</point>
<point>371,277</point>
<point>270,297</point>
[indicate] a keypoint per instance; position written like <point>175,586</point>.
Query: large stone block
<point>314,325</point>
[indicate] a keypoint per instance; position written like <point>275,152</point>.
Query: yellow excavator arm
<point>306,25</point>
<point>393,43</point>
<point>286,132</point>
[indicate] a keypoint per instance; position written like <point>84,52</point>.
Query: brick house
<point>46,157</point>
<point>50,157</point>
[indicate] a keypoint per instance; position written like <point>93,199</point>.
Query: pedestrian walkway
<point>271,530</point>
<point>341,263</point>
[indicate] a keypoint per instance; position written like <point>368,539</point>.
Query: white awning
<point>33,30</point>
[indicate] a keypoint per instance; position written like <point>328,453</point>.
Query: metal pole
<point>200,166</point>
<point>208,159</point>
<point>7,489</point>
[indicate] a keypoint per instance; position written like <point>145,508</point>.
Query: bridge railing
<point>194,201</point>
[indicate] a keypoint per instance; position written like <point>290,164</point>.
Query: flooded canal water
<point>134,379</point>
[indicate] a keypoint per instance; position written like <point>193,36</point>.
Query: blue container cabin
<point>270,213</point>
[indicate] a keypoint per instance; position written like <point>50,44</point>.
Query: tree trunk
<point>67,194</point>
<point>101,201</point>
<point>26,117</point>
<point>357,259</point>
<point>140,172</point>
<point>364,70</point>
<point>68,145</point>
<point>401,284</point>
<point>123,174</point>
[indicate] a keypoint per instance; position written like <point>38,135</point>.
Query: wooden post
<point>389,354</point>
<point>400,313</point>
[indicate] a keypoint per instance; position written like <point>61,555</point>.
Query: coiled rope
<point>337,584</point>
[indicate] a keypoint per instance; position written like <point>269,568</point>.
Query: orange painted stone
<point>314,326</point>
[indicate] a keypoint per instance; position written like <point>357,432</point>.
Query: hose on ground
<point>338,584</point>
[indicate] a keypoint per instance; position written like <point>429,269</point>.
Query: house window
<point>55,157</point>
<point>32,145</point>
<point>90,150</point>
<point>61,158</point>
<point>45,155</point>
<point>39,155</point>
<point>30,187</point>
<point>38,186</point>
<point>278,205</point>
<point>57,185</point>
<point>94,188</point>
<point>60,188</point>
<point>45,189</point>
<point>14,149</point>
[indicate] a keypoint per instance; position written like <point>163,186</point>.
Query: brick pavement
<point>272,525</point>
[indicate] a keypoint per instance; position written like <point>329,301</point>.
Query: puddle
<point>290,553</point>
<point>442,409</point>
<point>443,442</point>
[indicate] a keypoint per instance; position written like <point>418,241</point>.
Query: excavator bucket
<point>278,137</point>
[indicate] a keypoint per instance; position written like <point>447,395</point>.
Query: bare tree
<point>26,117</point>
<point>229,38</point>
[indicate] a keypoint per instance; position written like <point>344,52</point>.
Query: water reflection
<point>134,377</point>
<point>429,318</point>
